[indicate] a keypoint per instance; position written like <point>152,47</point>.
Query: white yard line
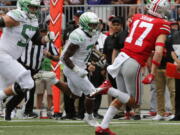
<point>76,122</point>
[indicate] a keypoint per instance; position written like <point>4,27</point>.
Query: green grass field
<point>65,127</point>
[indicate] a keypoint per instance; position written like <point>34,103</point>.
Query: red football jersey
<point>144,29</point>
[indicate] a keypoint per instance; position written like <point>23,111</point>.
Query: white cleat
<point>170,117</point>
<point>158,117</point>
<point>90,120</point>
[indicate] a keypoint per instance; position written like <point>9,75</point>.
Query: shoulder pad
<point>77,37</point>
<point>17,15</point>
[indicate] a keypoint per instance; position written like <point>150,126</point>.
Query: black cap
<point>78,13</point>
<point>117,20</point>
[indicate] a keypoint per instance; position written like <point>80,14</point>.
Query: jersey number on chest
<point>27,29</point>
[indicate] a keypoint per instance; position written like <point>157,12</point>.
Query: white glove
<point>81,72</point>
<point>46,75</point>
<point>50,36</point>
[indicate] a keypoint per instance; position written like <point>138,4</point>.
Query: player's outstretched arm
<point>156,60</point>
<point>158,53</point>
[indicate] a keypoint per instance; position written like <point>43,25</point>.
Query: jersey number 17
<point>139,24</point>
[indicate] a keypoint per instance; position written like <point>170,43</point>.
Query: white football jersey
<point>86,43</point>
<point>15,39</point>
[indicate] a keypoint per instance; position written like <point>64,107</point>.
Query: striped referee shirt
<point>33,55</point>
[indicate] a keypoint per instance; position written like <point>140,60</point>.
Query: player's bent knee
<point>25,81</point>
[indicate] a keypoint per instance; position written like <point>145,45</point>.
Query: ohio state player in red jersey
<point>147,33</point>
<point>143,36</point>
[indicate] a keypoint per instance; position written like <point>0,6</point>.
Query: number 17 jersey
<point>144,30</point>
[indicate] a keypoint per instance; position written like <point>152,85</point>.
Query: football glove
<point>98,58</point>
<point>148,79</point>
<point>81,72</point>
<point>46,75</point>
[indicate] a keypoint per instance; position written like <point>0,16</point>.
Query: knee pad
<point>25,80</point>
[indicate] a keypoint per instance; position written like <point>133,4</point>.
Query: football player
<point>147,33</point>
<point>20,26</point>
<point>75,57</point>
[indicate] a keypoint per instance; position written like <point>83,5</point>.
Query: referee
<point>31,59</point>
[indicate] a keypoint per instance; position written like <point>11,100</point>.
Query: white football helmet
<point>89,22</point>
<point>159,8</point>
<point>25,5</point>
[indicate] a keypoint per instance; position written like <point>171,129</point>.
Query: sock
<point>111,112</point>
<point>90,116</point>
<point>2,95</point>
<point>123,97</point>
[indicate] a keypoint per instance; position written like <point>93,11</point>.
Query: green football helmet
<point>26,5</point>
<point>89,22</point>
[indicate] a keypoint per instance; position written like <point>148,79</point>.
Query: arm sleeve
<point>164,28</point>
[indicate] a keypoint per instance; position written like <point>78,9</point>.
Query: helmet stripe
<point>156,5</point>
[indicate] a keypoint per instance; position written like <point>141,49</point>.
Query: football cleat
<point>128,115</point>
<point>101,131</point>
<point>167,114</point>
<point>97,91</point>
<point>102,89</point>
<point>105,86</point>
<point>152,113</point>
<point>158,117</point>
<point>170,117</point>
<point>90,120</point>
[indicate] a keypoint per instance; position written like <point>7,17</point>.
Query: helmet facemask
<point>89,22</point>
<point>159,8</point>
<point>92,28</point>
<point>30,7</point>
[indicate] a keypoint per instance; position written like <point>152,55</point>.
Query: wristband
<point>155,63</point>
<point>160,44</point>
